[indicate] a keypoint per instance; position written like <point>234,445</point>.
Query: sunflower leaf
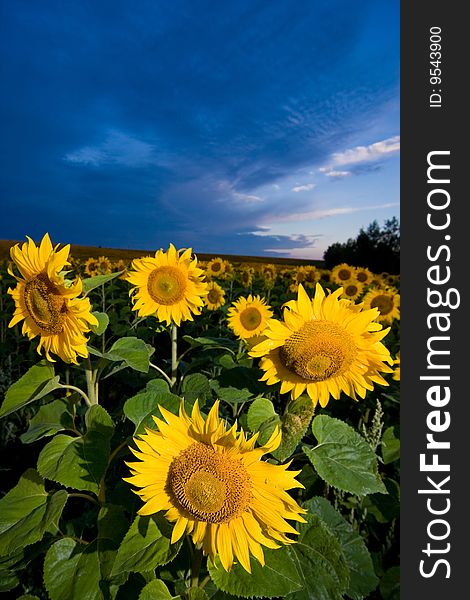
<point>79,462</point>
<point>294,424</point>
<point>278,578</point>
<point>27,511</point>
<point>141,407</point>
<point>133,351</point>
<point>343,458</point>
<point>145,546</point>
<point>363,579</point>
<point>196,386</point>
<point>36,383</point>
<point>49,419</point>
<point>318,551</point>
<point>390,446</point>
<point>72,570</point>
<point>103,322</point>
<point>155,590</point>
<point>93,282</point>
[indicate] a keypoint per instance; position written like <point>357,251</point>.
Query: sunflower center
<point>216,266</point>
<point>362,276</point>
<point>351,290</point>
<point>213,296</point>
<point>210,486</point>
<point>383,302</point>
<point>250,318</point>
<point>166,285</point>
<point>344,274</point>
<point>319,350</point>
<point>45,304</point>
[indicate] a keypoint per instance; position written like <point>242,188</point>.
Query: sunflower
<point>386,300</point>
<point>91,267</point>
<point>352,290</point>
<point>104,265</point>
<point>215,297</point>
<point>248,317</point>
<point>364,276</point>
<point>325,346</point>
<point>215,267</point>
<point>342,273</point>
<point>169,285</point>
<point>245,276</point>
<point>396,372</point>
<point>312,275</point>
<point>229,271</point>
<point>212,484</point>
<point>48,305</point>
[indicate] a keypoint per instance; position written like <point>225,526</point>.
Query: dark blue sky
<point>246,127</point>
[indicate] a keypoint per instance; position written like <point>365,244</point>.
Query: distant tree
<point>376,248</point>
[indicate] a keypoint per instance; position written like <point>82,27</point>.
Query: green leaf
<point>8,580</point>
<point>390,446</point>
<point>211,343</point>
<point>231,395</point>
<point>155,590</point>
<point>385,507</point>
<point>72,571</point>
<point>38,381</point>
<point>278,577</point>
<point>343,458</point>
<point>262,417</point>
<point>390,584</point>
<point>260,411</point>
<point>145,546</point>
<point>112,527</point>
<point>133,351</point>
<point>196,593</point>
<point>79,462</point>
<point>363,579</point>
<point>49,419</point>
<point>27,511</point>
<point>103,322</point>
<point>196,386</point>
<point>294,425</point>
<point>28,597</point>
<point>93,282</point>
<point>141,407</point>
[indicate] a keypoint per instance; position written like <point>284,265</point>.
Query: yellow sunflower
<point>91,267</point>
<point>248,317</point>
<point>212,484</point>
<point>168,285</point>
<point>386,300</point>
<point>312,275</point>
<point>229,271</point>
<point>48,305</point>
<point>342,273</point>
<point>324,346</point>
<point>215,297</point>
<point>396,372</point>
<point>215,267</point>
<point>104,265</point>
<point>352,290</point>
<point>245,276</point>
<point>364,276</point>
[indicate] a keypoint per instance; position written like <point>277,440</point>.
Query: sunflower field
<point>173,428</point>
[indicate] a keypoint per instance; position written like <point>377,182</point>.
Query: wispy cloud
<point>372,152</point>
<point>303,188</point>
<point>360,155</point>
<point>247,197</point>
<point>117,149</point>
<point>328,212</point>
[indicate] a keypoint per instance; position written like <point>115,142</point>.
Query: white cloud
<point>338,174</point>
<point>303,188</point>
<point>247,197</point>
<point>119,149</point>
<point>367,153</point>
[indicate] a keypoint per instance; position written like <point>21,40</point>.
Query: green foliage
<point>36,383</point>
<point>155,590</point>
<point>103,322</point>
<point>343,458</point>
<point>294,425</point>
<point>141,407</point>
<point>90,283</point>
<point>79,462</point>
<point>27,512</point>
<point>49,419</point>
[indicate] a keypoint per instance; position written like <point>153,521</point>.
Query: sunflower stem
<point>196,561</point>
<point>79,391</point>
<point>162,372</point>
<point>174,353</point>
<point>92,386</point>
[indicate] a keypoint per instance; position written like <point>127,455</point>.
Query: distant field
<point>84,252</point>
